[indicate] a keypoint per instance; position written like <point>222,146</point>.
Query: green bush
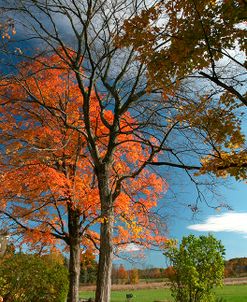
<point>198,266</point>
<point>31,278</point>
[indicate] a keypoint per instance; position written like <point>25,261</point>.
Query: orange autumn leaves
<point>182,37</point>
<point>222,131</point>
<point>46,165</point>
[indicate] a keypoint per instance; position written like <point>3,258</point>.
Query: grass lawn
<point>231,293</point>
<point>144,295</point>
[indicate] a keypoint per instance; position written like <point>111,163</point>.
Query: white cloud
<point>227,222</point>
<point>131,247</point>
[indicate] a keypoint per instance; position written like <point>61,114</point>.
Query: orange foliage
<point>181,37</point>
<point>133,276</point>
<point>169,272</point>
<point>122,273</point>
<point>46,167</point>
<point>87,259</point>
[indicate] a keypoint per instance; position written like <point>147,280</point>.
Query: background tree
<point>236,267</point>
<point>119,274</point>
<point>114,274</point>
<point>155,273</point>
<point>88,267</point>
<point>122,274</point>
<point>169,273</point>
<point>32,278</point>
<point>198,266</point>
<point>133,276</point>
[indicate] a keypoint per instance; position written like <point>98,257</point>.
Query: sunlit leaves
<point>177,38</point>
<point>48,172</point>
<point>220,125</point>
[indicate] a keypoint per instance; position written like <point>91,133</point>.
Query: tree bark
<point>103,289</point>
<point>75,253</point>
<point>103,286</point>
<point>74,272</point>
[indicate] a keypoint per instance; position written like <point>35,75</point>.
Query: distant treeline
<point>236,267</point>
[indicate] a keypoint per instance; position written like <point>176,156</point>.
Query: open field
<point>231,293</point>
<point>151,284</point>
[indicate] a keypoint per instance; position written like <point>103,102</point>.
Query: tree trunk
<point>75,253</point>
<point>103,286</point>
<point>74,272</point>
<point>103,289</point>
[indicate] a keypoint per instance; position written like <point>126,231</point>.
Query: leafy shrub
<point>31,278</point>
<point>198,267</point>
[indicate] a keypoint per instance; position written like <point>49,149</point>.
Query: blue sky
<point>228,226</point>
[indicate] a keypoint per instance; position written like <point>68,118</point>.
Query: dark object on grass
<point>129,297</point>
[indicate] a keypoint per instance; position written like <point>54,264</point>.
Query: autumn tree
<point>169,272</point>
<point>119,274</point>
<point>236,267</point>
<point>49,186</point>
<point>88,267</point>
<point>189,38</point>
<point>110,132</point>
<point>7,26</point>
<point>7,33</point>
<point>114,274</point>
<point>133,276</point>
<point>201,44</point>
<point>155,273</point>
<point>122,273</point>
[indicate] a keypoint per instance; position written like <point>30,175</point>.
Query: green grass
<point>144,295</point>
<point>231,293</point>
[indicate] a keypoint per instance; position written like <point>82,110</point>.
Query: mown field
<point>231,293</point>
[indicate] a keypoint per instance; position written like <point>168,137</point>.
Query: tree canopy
<point>204,39</point>
<point>200,45</point>
<point>49,186</point>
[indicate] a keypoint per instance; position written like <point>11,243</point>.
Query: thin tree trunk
<point>75,253</point>
<point>103,289</point>
<point>74,272</point>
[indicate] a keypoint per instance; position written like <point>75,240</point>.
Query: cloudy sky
<point>228,226</point>
<point>232,222</point>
